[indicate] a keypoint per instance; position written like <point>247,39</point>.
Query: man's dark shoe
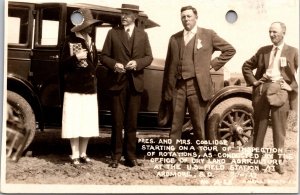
<point>132,163</point>
<point>114,164</point>
<point>279,169</point>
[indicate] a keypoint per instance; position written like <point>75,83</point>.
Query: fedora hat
<point>82,19</point>
<point>130,7</point>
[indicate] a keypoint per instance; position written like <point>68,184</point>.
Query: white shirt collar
<point>279,46</point>
<point>130,27</point>
<point>193,31</point>
<point>79,35</point>
<point>88,42</point>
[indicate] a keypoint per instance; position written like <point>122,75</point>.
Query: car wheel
<point>232,121</point>
<point>22,110</point>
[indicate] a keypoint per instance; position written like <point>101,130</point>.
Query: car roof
<point>111,12</point>
<point>103,13</point>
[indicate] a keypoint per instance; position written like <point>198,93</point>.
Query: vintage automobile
<point>36,31</point>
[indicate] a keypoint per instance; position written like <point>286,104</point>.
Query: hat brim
<point>135,10</point>
<point>84,25</point>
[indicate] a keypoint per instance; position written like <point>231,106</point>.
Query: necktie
<point>128,33</point>
<point>273,57</point>
<point>187,37</point>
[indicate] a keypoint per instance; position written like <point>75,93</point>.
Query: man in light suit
<point>275,65</point>
<point>126,52</point>
<point>187,80</point>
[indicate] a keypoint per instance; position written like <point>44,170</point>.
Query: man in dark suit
<point>126,52</point>
<point>275,65</point>
<point>187,79</point>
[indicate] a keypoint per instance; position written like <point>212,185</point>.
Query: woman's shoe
<point>76,161</point>
<point>85,159</point>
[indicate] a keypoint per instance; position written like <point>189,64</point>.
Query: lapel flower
<point>199,44</point>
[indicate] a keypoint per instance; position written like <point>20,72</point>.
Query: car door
<point>45,71</point>
<point>19,39</point>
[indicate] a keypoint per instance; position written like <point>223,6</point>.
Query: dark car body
<point>33,65</point>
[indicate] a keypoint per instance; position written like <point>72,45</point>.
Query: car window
<point>101,32</point>
<point>48,27</point>
<point>17,23</point>
<point>49,32</point>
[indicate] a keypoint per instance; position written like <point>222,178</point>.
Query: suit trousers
<point>188,96</point>
<point>262,111</point>
<point>125,108</point>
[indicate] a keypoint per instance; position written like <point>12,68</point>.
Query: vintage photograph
<point>138,96</point>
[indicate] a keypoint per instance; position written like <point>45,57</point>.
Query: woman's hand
<point>81,55</point>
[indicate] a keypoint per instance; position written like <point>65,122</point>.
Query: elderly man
<point>126,52</point>
<point>274,89</point>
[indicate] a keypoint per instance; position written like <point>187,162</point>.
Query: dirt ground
<point>47,162</point>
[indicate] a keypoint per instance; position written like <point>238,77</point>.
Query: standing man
<point>274,89</point>
<point>126,52</point>
<point>187,80</point>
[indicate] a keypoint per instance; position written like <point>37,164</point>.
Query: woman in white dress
<point>80,106</point>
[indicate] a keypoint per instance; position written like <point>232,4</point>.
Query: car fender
<point>228,92</point>
<point>26,90</point>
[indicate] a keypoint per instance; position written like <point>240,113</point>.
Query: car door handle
<point>54,57</point>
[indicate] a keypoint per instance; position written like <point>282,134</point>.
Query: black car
<point>36,31</point>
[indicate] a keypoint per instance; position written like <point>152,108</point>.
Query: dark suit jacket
<point>116,49</point>
<point>260,62</point>
<point>78,79</point>
<point>206,42</point>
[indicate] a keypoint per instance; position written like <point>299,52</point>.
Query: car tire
<point>232,120</point>
<point>24,112</point>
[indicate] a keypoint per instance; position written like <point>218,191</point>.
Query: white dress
<point>80,115</point>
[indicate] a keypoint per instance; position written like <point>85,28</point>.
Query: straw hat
<point>130,7</point>
<point>82,19</point>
